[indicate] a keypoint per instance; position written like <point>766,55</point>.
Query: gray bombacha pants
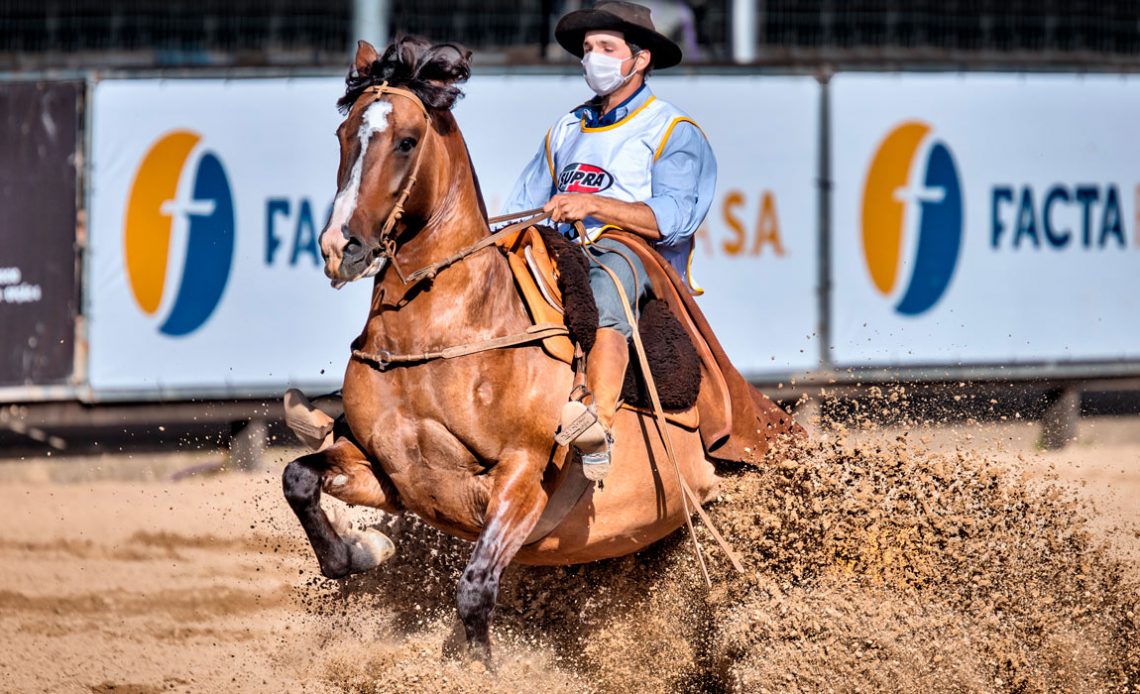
<point>610,311</point>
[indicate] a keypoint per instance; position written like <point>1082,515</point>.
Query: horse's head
<point>394,106</point>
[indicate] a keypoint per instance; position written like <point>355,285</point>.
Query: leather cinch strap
<point>535,333</point>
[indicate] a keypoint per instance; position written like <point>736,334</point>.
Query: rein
<point>428,273</point>
<point>384,359</point>
<point>386,248</point>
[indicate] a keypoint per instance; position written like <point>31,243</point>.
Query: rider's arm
<point>631,216</point>
<point>534,186</point>
<point>684,182</point>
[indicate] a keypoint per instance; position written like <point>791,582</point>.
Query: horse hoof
<point>455,645</point>
<point>368,549</point>
<point>479,658</point>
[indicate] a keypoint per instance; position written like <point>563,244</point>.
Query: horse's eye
<point>406,144</point>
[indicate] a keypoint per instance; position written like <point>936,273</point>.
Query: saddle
<point>536,276</point>
<point>736,421</point>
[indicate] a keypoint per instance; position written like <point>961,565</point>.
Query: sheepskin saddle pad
<point>553,274</point>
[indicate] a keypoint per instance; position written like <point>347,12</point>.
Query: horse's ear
<point>365,55</point>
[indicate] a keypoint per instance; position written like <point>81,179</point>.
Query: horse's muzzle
<point>355,261</point>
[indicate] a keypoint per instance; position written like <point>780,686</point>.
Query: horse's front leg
<point>346,473</point>
<point>514,507</point>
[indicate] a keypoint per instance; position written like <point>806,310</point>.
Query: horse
<point>465,443</point>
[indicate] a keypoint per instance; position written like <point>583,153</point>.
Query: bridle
<point>386,247</point>
<point>386,244</point>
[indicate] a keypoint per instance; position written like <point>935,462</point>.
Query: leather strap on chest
<point>384,359</point>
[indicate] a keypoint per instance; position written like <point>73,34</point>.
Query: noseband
<point>386,244</point>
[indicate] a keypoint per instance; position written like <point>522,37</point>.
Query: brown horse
<point>465,443</point>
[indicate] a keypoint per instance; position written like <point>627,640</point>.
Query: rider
<point>624,159</point>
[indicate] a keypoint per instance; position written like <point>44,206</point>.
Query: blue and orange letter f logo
<point>912,207</point>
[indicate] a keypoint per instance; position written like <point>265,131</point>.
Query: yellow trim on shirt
<point>669,131</point>
<point>694,288</point>
<point>587,241</point>
<point>631,114</point>
<point>550,159</point>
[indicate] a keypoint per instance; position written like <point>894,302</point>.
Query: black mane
<point>430,71</point>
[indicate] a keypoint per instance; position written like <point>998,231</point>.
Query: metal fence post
<point>248,442</point>
<point>744,30</point>
<point>1060,421</point>
<point>823,188</point>
<point>370,22</point>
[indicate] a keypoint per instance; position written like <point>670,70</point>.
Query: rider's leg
<point>607,361</point>
<point>605,374</point>
<point>605,366</point>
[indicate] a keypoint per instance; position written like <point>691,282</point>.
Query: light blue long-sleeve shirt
<point>683,180</point>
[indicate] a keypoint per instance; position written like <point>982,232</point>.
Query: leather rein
<point>386,248</point>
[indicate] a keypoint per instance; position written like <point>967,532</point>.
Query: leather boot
<point>605,374</point>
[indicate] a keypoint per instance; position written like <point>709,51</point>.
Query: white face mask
<point>603,72</point>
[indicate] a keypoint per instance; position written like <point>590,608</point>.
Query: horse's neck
<point>471,300</point>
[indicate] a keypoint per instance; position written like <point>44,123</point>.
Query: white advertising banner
<point>756,254</point>
<point>985,219</point>
<point>204,272</point>
<point>207,198</point>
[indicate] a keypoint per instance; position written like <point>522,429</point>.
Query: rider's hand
<point>570,207</point>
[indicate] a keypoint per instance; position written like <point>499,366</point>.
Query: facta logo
<point>179,230</point>
<point>912,218</point>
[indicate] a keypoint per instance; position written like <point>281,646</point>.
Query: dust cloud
<point>909,557</point>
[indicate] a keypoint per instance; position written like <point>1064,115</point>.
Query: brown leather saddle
<point>536,275</point>
<point>736,420</point>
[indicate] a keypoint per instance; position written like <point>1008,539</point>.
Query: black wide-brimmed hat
<point>613,15</point>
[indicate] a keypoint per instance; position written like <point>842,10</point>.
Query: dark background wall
<point>38,278</point>
<point>93,33</point>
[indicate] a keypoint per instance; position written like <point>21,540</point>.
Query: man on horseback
<point>624,159</point>
<point>415,435</point>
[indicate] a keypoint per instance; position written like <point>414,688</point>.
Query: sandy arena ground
<point>115,579</point>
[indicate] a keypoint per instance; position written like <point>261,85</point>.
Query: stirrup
<point>596,465</point>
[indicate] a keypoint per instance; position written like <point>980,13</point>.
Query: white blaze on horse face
<point>374,120</point>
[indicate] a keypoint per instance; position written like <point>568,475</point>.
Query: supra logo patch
<point>584,178</point>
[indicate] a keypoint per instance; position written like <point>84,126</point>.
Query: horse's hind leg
<point>512,511</point>
<point>344,552</point>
